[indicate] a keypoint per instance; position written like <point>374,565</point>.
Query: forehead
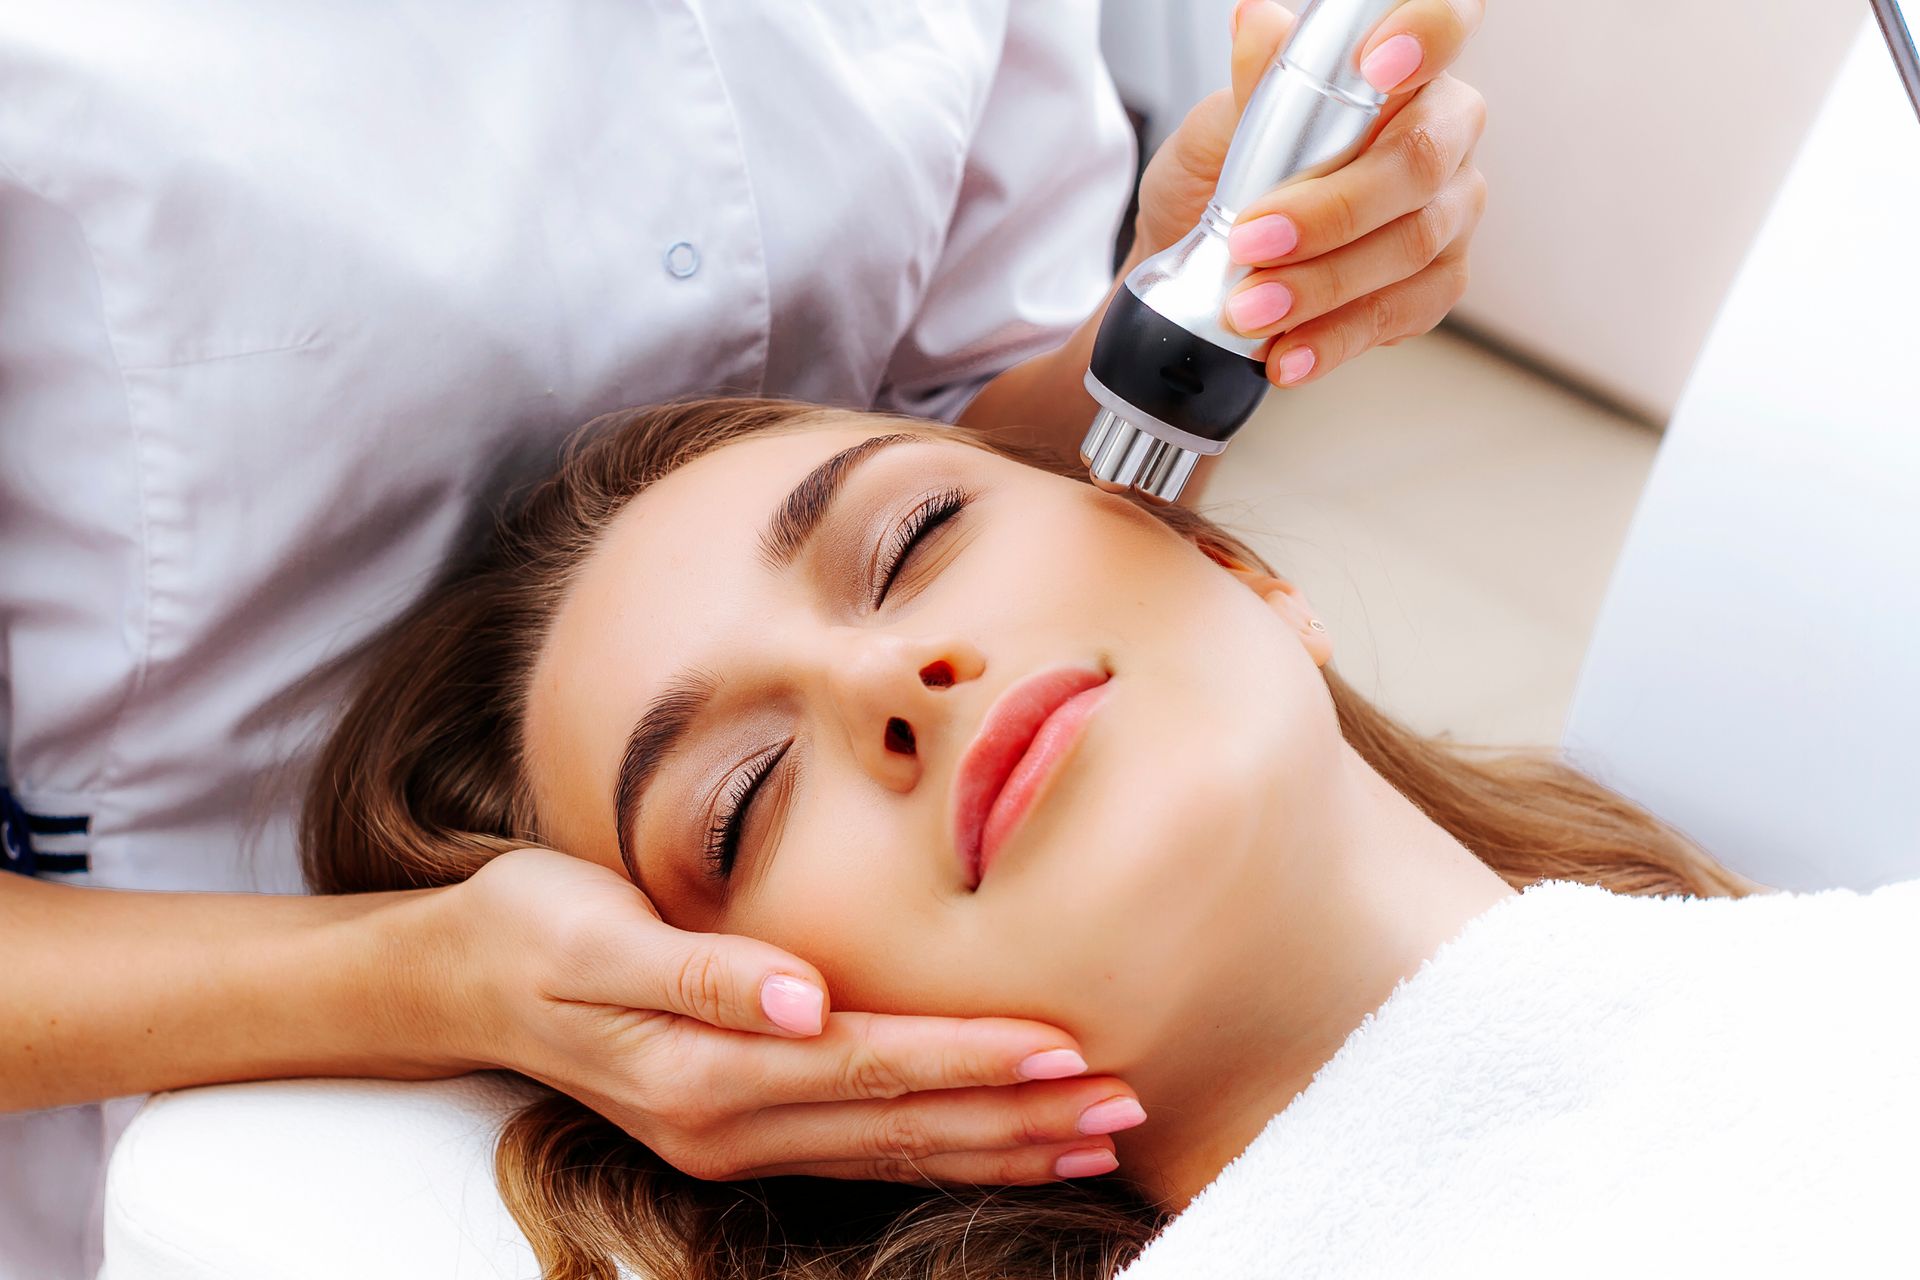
<point>676,571</point>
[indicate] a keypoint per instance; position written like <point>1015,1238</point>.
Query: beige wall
<point>1631,152</point>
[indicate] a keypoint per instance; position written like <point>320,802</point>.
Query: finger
<point>1260,27</point>
<point>1411,307</point>
<point>1418,41</point>
<point>878,1055</point>
<point>1282,298</point>
<point>953,1121</point>
<point>1413,158</point>
<point>727,981</point>
<point>1087,1158</point>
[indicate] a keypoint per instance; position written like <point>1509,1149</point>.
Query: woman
<point>250,258</point>
<point>936,719</point>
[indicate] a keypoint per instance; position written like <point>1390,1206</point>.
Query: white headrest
<point>1755,674</point>
<point>316,1180</point>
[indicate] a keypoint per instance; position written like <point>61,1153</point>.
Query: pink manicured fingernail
<point>1111,1116</point>
<point>1086,1164</point>
<point>1263,239</point>
<point>1260,306</point>
<point>1296,364</point>
<point>1234,29</point>
<point>793,1005</point>
<point>1391,63</point>
<point>1052,1064</point>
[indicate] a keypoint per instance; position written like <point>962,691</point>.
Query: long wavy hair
<point>423,781</point>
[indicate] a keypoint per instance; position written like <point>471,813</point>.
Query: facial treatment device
<point>1173,381</point>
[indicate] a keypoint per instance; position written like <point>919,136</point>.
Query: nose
<point>889,695</point>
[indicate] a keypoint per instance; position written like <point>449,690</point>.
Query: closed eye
<point>932,512</point>
<point>722,845</point>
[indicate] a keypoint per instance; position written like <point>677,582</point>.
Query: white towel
<point>1587,1084</point>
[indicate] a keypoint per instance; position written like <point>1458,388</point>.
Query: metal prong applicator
<point>1174,383</point>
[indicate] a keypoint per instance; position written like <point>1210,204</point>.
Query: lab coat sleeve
<point>1029,248</point>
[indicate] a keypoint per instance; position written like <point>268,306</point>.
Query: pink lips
<point>1027,730</point>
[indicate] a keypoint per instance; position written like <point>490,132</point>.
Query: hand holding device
<point>1283,239</point>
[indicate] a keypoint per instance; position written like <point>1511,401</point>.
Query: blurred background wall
<point>1454,505</point>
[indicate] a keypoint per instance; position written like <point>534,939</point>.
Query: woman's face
<point>777,671</point>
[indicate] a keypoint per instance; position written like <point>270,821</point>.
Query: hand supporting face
<point>718,1051</point>
<point>1370,254</point>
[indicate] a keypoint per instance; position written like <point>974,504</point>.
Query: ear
<point>1290,605</point>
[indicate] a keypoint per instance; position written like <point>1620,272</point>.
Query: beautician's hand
<point>1369,254</point>
<point>709,1048</point>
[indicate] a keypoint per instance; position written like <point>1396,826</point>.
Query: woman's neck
<point>1327,938</point>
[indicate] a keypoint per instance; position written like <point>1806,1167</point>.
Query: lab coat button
<point>682,259</point>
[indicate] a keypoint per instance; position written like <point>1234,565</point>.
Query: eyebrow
<point>671,716</point>
<point>794,521</point>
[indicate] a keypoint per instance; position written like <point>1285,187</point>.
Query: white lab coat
<point>289,293</point>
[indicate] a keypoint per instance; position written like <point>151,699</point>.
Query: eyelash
<point>936,510</point>
<point>730,815</point>
<point>722,847</point>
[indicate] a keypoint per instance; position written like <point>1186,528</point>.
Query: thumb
<point>718,978</point>
<point>1260,27</point>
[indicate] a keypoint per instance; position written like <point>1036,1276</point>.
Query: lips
<point>1026,731</point>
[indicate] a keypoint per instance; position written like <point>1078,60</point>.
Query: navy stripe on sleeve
<point>18,849</point>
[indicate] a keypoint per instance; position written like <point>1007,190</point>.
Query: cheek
<point>1112,561</point>
<point>1058,564</point>
<point>1236,733</point>
<point>847,892</point>
<point>853,893</point>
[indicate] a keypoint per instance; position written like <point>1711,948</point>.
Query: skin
<point>1211,892</point>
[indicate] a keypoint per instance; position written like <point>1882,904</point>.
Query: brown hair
<point>421,783</point>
